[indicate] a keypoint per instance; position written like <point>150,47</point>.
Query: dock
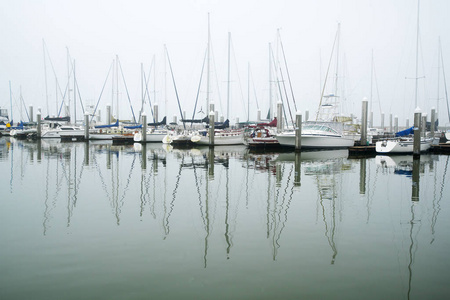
<point>442,148</point>
<point>362,150</point>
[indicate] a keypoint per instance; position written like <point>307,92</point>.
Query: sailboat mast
<point>371,85</point>
<point>248,94</point>
<point>74,96</point>
<point>270,82</point>
<point>45,76</point>
<point>439,75</point>
<point>417,54</point>
<point>229,74</point>
<point>117,87</point>
<point>208,67</point>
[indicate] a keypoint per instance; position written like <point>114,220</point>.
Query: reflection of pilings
<point>298,170</point>
<point>362,176</point>
<point>86,153</point>
<point>39,150</point>
<point>415,179</point>
<point>211,162</point>
<point>144,154</point>
<point>279,175</point>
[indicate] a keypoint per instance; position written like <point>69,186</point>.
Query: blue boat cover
<point>108,126</point>
<point>405,132</point>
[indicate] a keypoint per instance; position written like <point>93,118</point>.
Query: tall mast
<point>45,76</point>
<point>439,75</point>
<point>74,96</point>
<point>117,87</point>
<point>228,83</point>
<point>142,92</point>
<point>208,68</point>
<point>248,93</point>
<point>270,82</point>
<point>371,84</point>
<point>68,83</point>
<point>417,53</point>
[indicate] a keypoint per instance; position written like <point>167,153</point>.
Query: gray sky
<point>95,31</point>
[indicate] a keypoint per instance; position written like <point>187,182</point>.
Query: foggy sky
<point>94,32</point>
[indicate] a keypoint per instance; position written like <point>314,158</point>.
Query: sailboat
<point>404,143</point>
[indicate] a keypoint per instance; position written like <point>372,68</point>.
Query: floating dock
<point>362,150</point>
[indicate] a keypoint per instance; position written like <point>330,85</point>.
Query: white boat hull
<point>401,146</point>
<point>316,141</point>
<point>223,138</point>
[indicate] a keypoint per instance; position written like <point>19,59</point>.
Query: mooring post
<point>390,123</point>
<point>86,126</point>
<point>174,119</point>
<point>407,123</point>
<point>258,116</point>
<point>144,128</point>
<point>433,121</point>
<point>306,115</point>
<point>382,121</point>
<point>108,114</point>
<point>155,112</point>
<point>31,113</point>
<point>416,130</point>
<point>298,131</point>
<point>396,123</point>
<point>39,121</point>
<point>211,128</point>
<point>371,119</point>
<point>423,125</point>
<point>279,116</point>
<point>365,105</point>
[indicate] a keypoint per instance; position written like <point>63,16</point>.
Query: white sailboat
<point>405,144</point>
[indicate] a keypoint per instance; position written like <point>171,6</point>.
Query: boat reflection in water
<point>176,220</point>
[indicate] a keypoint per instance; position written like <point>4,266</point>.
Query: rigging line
<point>101,93</point>
<point>254,90</point>
<point>198,90</point>
<point>174,85</point>
<point>53,68</point>
<point>326,76</point>
<point>25,107</point>
<point>376,87</point>
<point>65,92</point>
<point>445,85</point>
<point>287,71</point>
<point>126,89</point>
<point>279,88</point>
<point>287,99</point>
<point>146,89</point>
<point>239,79</point>
<point>148,95</point>
<point>217,79</point>
<point>79,95</point>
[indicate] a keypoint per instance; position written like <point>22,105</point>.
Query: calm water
<point>98,221</point>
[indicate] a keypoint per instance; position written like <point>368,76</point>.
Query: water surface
<point>98,221</point>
